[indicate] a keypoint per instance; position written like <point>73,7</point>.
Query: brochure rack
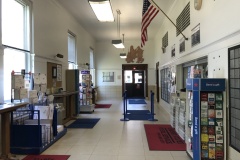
<point>205,129</point>
<point>86,92</point>
<point>173,111</point>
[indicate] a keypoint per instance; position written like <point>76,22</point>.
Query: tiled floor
<point>112,139</point>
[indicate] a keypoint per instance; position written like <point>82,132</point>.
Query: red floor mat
<point>163,138</point>
<point>103,105</point>
<point>47,157</point>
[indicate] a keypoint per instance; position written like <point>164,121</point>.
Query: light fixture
<point>118,43</point>
<point>58,56</point>
<point>102,9</point>
<point>123,55</point>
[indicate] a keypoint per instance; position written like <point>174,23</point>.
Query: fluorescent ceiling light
<point>118,43</point>
<point>102,9</point>
<point>123,55</point>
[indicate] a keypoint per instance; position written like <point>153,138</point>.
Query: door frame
<point>143,67</point>
<point>157,81</point>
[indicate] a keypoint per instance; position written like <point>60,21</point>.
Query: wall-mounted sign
<point>135,54</point>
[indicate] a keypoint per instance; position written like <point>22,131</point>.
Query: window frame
<point>70,63</point>
<point>27,39</point>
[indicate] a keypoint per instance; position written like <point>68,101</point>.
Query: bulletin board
<point>54,75</point>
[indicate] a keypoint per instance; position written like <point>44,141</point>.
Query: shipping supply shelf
<point>33,136</point>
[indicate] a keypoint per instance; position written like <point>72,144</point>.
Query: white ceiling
<point>130,18</point>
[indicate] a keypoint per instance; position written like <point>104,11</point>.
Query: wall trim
<point>233,34</point>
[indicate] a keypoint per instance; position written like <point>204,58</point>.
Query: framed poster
<point>108,76</point>
<point>173,51</point>
<point>54,72</point>
<point>182,45</point>
<point>195,35</point>
<point>59,73</point>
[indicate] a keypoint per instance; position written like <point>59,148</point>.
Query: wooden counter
<point>5,111</point>
<point>67,99</point>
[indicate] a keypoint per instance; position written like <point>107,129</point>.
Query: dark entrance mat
<point>84,123</point>
<point>138,111</point>
<point>138,114</point>
<point>136,101</point>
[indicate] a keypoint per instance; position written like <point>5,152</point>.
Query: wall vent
<point>183,20</point>
<point>165,40</point>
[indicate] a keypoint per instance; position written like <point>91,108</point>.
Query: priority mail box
<point>17,81</point>
<point>43,111</point>
<point>47,133</point>
<point>20,93</point>
<point>23,93</point>
<point>32,94</point>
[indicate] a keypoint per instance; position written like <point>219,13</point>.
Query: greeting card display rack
<point>205,126</point>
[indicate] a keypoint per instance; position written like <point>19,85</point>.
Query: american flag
<point>149,12</point>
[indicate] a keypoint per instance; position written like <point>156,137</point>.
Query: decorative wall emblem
<point>135,54</point>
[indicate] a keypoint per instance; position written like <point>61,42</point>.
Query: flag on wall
<point>148,13</point>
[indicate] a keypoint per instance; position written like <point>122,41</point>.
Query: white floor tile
<point>112,139</point>
<point>103,157</point>
<point>79,157</point>
<point>83,149</point>
<point>131,157</point>
<point>159,158</point>
<point>106,150</point>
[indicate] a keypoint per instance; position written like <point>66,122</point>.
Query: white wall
<point>51,25</point>
<point>107,59</point>
<point>219,30</point>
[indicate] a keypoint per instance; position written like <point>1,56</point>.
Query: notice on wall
<point>59,73</point>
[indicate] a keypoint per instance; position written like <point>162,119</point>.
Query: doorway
<point>134,80</point>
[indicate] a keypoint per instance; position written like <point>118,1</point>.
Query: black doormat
<point>137,101</point>
<point>138,114</point>
<point>84,123</point>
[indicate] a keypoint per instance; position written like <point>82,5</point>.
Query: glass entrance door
<point>134,83</point>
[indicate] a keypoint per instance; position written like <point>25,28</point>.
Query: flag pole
<point>170,20</point>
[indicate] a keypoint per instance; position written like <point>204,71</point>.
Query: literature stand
<point>86,92</point>
<point>205,129</point>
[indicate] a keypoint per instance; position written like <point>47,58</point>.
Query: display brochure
<point>211,130</point>
<point>211,151</point>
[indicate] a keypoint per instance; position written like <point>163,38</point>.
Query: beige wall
<point>109,92</point>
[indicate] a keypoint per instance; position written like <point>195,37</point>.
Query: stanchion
<point>124,107</point>
<point>152,108</point>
